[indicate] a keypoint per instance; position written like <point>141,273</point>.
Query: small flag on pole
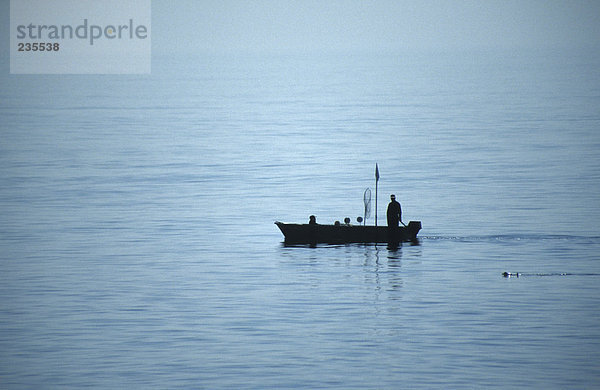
<point>376,182</point>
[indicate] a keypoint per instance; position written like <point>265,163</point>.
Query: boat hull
<point>342,234</point>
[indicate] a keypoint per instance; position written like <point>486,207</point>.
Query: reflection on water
<point>381,265</point>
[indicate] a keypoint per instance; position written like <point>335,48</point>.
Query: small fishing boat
<point>313,233</point>
<point>345,233</point>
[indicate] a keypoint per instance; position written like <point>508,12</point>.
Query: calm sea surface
<point>137,244</point>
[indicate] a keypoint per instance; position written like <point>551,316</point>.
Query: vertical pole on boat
<point>376,183</point>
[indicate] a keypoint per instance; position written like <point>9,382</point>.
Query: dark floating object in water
<point>517,274</point>
<point>313,233</point>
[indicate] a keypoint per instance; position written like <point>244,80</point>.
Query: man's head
<point>393,197</point>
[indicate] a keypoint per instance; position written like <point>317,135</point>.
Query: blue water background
<point>137,244</point>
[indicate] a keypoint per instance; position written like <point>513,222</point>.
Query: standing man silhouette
<point>394,215</point>
<point>394,212</point>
